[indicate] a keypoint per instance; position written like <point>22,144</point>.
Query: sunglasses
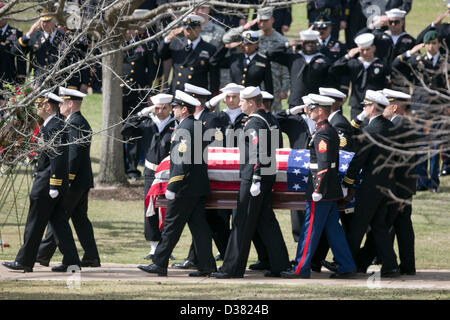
<point>394,22</point>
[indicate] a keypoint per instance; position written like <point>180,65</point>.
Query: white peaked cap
<point>309,35</point>
<point>321,100</point>
<point>396,13</point>
<point>66,93</point>
<point>332,92</point>
<point>182,98</point>
<point>162,98</point>
<point>195,90</point>
<point>232,88</point>
<point>364,40</point>
<point>375,97</point>
<point>396,95</point>
<point>250,92</point>
<point>266,95</point>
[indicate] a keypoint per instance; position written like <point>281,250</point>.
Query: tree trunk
<point>112,171</point>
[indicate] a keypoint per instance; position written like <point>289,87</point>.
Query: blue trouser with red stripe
<point>322,216</point>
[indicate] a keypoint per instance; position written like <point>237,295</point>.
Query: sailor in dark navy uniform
<point>48,191</point>
<point>80,182</point>
<point>254,210</point>
<point>186,191</point>
<point>249,67</point>
<point>371,201</point>
<point>191,56</point>
<point>323,191</point>
<point>155,125</point>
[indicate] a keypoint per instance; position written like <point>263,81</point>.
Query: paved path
<point>424,279</point>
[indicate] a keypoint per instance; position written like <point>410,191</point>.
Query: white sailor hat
<point>364,40</point>
<point>396,13</point>
<point>318,100</point>
<point>162,98</point>
<point>183,99</point>
<point>309,35</point>
<point>70,94</point>
<point>232,88</point>
<point>375,97</point>
<point>195,91</point>
<point>307,100</point>
<point>396,95</point>
<point>332,92</point>
<point>266,95</point>
<point>250,36</point>
<point>53,97</point>
<point>250,92</point>
<point>140,12</point>
<point>193,20</point>
<point>264,13</point>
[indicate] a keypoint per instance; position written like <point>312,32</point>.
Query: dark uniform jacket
<point>253,168</point>
<point>192,66</point>
<point>141,66</point>
<point>404,133</point>
<point>156,144</point>
<point>253,74</point>
<point>376,77</point>
<point>404,43</point>
<point>344,129</point>
<point>13,66</point>
<point>51,170</point>
<point>333,49</point>
<point>187,178</point>
<point>296,129</point>
<point>324,163</point>
<point>305,77</point>
<point>225,124</point>
<point>371,156</point>
<point>80,169</point>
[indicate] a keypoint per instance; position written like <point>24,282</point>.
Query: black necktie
<point>188,47</point>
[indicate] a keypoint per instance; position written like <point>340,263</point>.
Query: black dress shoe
<point>65,267</point>
<point>259,266</point>
<point>186,264</point>
<point>408,273</point>
<point>153,268</point>
<point>14,265</point>
<point>332,266</point>
<point>293,275</point>
<point>224,275</point>
<point>270,274</point>
<point>343,275</point>
<point>200,274</point>
<point>316,267</point>
<point>390,273</point>
<point>43,262</point>
<point>91,263</point>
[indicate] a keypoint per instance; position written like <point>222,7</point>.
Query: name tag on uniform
<point>204,54</point>
<point>260,64</point>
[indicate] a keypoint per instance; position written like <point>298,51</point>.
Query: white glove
<point>295,110</point>
<point>53,193</point>
<point>316,196</point>
<point>255,189</point>
<point>170,195</point>
<point>362,116</point>
<point>146,111</point>
<point>215,100</point>
<point>344,191</point>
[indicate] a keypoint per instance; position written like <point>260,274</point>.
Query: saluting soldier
<point>212,32</point>
<point>186,191</point>
<point>366,71</point>
<point>249,68</point>
<point>371,201</point>
<point>308,67</point>
<point>155,125</point>
<point>323,191</point>
<point>13,67</point>
<point>337,10</point>
<point>401,39</point>
<point>254,210</point>
<point>48,191</point>
<point>191,56</point>
<point>80,182</point>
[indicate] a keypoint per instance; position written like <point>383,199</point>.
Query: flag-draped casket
<point>223,172</point>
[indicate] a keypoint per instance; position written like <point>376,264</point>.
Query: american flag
<point>223,172</point>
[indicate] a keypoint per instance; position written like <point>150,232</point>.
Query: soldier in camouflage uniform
<point>269,38</point>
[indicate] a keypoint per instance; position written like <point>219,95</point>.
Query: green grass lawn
<point>118,227</point>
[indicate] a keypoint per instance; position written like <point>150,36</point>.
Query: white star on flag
<point>344,167</point>
<point>305,179</point>
<point>296,171</point>
<point>346,156</point>
<point>306,165</point>
<point>296,187</point>
<point>298,158</point>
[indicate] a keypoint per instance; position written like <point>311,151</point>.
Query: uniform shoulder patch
<point>322,146</point>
